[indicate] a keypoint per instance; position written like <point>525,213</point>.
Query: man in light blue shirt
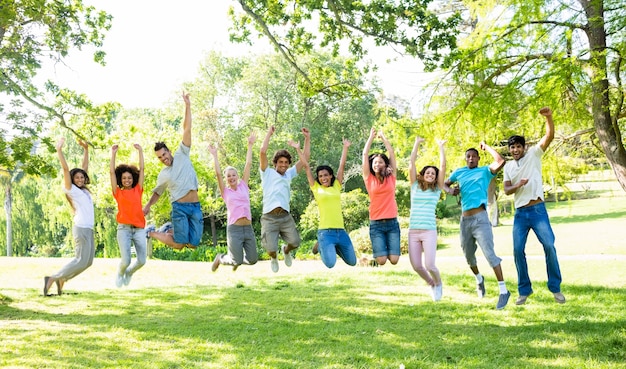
<point>475,225</point>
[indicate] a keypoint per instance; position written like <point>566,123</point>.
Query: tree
<point>32,33</point>
<point>296,28</point>
<point>517,56</point>
<point>565,54</point>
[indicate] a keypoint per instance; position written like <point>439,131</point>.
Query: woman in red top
<point>379,174</point>
<point>127,187</point>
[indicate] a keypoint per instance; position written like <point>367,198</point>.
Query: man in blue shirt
<point>475,225</point>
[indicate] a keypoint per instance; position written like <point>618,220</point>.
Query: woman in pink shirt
<point>236,194</point>
<point>379,174</point>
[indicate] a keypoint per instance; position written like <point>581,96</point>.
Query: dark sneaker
<point>315,249</point>
<point>558,297</point>
<point>216,262</point>
<point>503,300</point>
<point>235,267</point>
<point>480,288</point>
<point>150,228</point>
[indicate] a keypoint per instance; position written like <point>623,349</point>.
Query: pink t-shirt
<point>382,197</point>
<point>237,202</point>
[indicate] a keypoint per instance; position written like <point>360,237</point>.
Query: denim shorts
<point>187,222</point>
<point>385,237</point>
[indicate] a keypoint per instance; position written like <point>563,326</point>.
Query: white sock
<point>479,278</point>
<point>502,285</point>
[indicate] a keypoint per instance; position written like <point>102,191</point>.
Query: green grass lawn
<point>180,315</point>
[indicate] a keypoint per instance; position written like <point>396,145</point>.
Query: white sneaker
<point>127,278</point>
<point>288,257</point>
<point>119,280</point>
<point>275,265</point>
<point>438,292</point>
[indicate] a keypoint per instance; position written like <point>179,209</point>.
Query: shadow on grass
<point>372,321</point>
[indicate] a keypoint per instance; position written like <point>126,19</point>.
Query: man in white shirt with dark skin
<point>522,177</point>
<point>180,179</point>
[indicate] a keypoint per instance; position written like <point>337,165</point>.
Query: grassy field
<point>180,315</point>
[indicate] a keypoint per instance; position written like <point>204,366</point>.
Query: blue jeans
<point>534,217</point>
<point>385,237</point>
<point>127,235</point>
<point>333,242</point>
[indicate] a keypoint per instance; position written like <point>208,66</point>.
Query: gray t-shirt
<point>179,178</point>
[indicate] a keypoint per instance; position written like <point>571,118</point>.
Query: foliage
<point>297,28</point>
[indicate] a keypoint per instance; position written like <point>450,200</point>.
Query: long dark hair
<point>87,181</point>
<point>330,171</point>
<point>388,171</point>
<point>124,168</point>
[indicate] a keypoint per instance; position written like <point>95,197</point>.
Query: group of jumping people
<point>522,177</point>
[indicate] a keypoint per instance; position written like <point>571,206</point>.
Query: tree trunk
<point>608,133</point>
<point>8,209</point>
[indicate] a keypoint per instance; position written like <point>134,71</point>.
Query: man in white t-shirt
<point>522,177</point>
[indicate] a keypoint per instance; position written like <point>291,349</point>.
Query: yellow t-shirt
<point>329,205</point>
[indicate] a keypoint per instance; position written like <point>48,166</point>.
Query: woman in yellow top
<point>332,237</point>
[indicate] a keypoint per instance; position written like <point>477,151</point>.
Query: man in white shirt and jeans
<point>522,177</point>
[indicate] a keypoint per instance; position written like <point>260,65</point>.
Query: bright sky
<point>154,46</point>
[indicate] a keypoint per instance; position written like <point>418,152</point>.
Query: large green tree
<point>515,56</point>
<point>33,34</point>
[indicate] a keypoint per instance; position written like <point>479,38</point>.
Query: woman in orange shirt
<point>127,187</point>
<point>379,174</point>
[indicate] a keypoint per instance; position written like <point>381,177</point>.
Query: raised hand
<point>186,98</point>
<point>213,150</point>
<point>252,138</point>
<point>545,111</point>
<point>114,148</point>
<point>60,143</point>
<point>441,142</point>
<point>346,143</point>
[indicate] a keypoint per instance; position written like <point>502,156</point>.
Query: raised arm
<point>141,164</point>
<point>263,162</point>
<point>187,121</point>
<point>442,164</point>
<point>114,186</point>
<point>85,147</point>
<point>218,170</point>
<point>366,152</point>
<point>549,136</point>
<point>342,161</point>
<point>412,168</point>
<point>307,149</point>
<point>392,154</point>
<point>246,169</point>
<point>498,161</point>
<point>67,180</point>
<point>304,159</point>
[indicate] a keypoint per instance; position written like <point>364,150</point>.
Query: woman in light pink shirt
<point>236,195</point>
<point>379,174</point>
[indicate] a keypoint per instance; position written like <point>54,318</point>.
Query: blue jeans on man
<point>534,217</point>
